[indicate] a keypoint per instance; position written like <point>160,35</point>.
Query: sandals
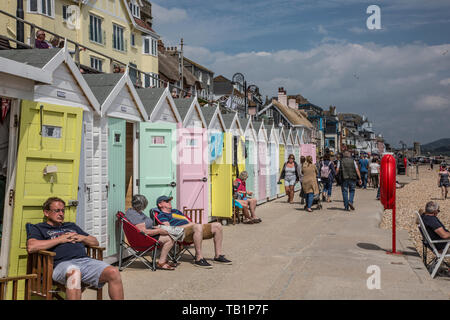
<point>257,220</point>
<point>164,266</point>
<point>248,221</point>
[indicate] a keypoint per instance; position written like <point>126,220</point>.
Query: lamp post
<point>19,24</point>
<point>238,78</point>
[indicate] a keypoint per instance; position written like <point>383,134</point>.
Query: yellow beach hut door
<point>47,166</point>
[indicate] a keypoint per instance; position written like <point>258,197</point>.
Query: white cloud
<point>433,103</point>
<point>166,16</point>
<point>445,82</point>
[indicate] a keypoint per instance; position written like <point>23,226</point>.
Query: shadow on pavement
<point>370,246</point>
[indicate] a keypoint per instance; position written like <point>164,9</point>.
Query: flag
<point>6,105</point>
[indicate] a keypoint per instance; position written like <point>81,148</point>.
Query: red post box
<point>388,185</point>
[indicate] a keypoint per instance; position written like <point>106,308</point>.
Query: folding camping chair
<point>180,247</point>
<point>137,243</point>
<point>434,265</point>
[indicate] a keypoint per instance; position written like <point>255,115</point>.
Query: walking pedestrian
<point>309,185</point>
<point>444,182</point>
<point>291,175</point>
<point>374,172</point>
<point>364,170</point>
<point>327,174</point>
<point>349,171</point>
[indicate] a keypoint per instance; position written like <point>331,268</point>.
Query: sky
<point>398,76</point>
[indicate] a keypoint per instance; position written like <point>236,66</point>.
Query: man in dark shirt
<point>72,266</point>
<point>435,228</point>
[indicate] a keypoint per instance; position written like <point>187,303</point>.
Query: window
<point>133,40</point>
<point>96,63</point>
<point>118,41</point>
<point>135,9</point>
<point>150,46</point>
<point>151,80</point>
<point>95,29</point>
<point>44,7</point>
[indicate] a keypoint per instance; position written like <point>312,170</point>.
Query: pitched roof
<point>102,84</point>
<point>294,116</point>
<point>208,114</point>
<point>183,106</point>
<point>228,119</point>
<point>150,97</point>
<point>197,65</point>
<point>34,57</point>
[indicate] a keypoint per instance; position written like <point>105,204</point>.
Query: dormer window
<point>135,9</point>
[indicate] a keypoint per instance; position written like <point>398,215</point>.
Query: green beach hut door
<point>157,169</point>
<point>116,174</point>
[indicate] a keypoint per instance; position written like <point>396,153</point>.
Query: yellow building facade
<point>116,29</point>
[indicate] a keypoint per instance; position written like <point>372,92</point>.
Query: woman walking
<point>291,175</point>
<point>444,182</point>
<point>246,202</point>
<point>309,184</point>
<point>327,174</point>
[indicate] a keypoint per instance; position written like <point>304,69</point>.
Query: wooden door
<point>250,165</point>
<point>221,180</point>
<point>116,179</point>
<point>281,164</point>
<point>50,141</point>
<point>192,166</point>
<point>157,161</point>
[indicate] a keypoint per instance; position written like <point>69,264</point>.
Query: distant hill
<point>441,146</point>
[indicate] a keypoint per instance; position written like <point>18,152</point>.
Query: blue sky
<point>397,76</point>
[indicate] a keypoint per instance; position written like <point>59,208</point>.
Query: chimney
<point>161,47</point>
<point>292,103</point>
<point>282,97</point>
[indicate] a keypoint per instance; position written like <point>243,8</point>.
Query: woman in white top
<point>374,171</point>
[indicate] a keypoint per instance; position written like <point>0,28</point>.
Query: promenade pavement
<point>294,254</point>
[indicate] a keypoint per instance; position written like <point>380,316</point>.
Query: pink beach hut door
<point>193,170</point>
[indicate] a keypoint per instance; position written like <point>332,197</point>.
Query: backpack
<point>325,171</point>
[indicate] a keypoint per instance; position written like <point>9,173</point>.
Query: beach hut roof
<point>186,108</point>
<point>153,99</point>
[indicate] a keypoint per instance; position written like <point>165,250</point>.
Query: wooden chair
<point>15,283</point>
<point>195,215</point>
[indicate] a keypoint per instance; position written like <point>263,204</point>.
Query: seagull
<point>445,52</point>
<point>356,76</point>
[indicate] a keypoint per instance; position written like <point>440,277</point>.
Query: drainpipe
<point>19,24</point>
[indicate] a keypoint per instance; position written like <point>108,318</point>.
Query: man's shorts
<point>189,232</point>
<point>91,270</point>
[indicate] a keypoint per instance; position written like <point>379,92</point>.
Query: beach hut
<point>281,161</point>
<point>273,158</point>
<point>157,145</point>
<point>19,73</point>
<point>289,147</point>
<point>49,144</point>
<point>236,137</point>
<point>220,188</point>
<point>262,161</point>
<point>116,160</point>
<point>251,161</point>
<point>192,167</point>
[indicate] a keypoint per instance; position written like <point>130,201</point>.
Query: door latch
<point>11,197</point>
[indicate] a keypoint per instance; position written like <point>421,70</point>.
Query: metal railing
<point>78,47</point>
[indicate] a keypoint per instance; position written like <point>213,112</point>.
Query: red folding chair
<point>137,243</point>
<point>180,247</point>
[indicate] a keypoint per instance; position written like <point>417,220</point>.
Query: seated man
<point>193,232</point>
<point>72,266</point>
<point>137,217</point>
<point>435,228</point>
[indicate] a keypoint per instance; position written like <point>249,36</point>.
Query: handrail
<point>161,83</point>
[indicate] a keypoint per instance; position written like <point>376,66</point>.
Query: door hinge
<point>16,121</point>
<point>11,197</point>
<point>138,135</point>
<point>138,182</point>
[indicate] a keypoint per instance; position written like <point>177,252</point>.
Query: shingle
<point>34,57</point>
<point>150,97</point>
<point>102,84</point>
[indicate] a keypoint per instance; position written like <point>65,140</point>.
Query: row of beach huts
<point>95,140</point>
